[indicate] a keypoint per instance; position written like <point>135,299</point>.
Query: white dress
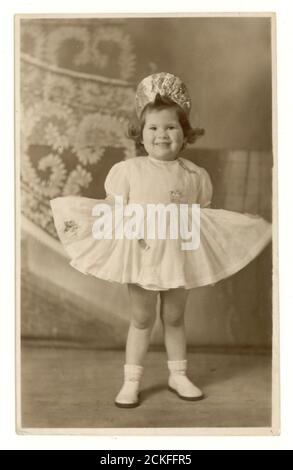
<point>228,240</point>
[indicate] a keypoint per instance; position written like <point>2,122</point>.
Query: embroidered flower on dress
<point>175,195</point>
<point>70,226</point>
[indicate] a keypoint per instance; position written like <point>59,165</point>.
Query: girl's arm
<point>206,190</point>
<point>117,183</point>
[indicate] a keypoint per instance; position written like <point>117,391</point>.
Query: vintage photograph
<point>146,169</point>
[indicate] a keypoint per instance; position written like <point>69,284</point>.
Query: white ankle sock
<point>128,395</point>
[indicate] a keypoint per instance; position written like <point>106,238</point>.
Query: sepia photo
<point>126,124</point>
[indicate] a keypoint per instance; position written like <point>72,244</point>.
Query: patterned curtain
<point>76,100</point>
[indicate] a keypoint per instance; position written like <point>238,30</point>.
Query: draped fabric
<point>76,99</point>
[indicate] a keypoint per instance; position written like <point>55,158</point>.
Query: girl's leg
<point>143,314</point>
<point>173,304</point>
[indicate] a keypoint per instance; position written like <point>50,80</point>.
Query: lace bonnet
<point>165,84</point>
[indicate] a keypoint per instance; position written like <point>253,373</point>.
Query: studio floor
<point>65,387</point>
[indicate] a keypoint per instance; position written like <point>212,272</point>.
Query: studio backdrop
<point>77,88</point>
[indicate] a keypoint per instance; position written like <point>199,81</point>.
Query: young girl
<point>156,265</point>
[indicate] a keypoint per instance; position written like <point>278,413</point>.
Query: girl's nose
<point>162,133</point>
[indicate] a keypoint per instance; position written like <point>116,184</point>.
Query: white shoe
<point>128,397</point>
<point>180,384</point>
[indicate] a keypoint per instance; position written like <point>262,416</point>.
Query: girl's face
<point>162,135</point>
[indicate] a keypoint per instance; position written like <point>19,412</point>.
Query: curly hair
<point>163,102</point>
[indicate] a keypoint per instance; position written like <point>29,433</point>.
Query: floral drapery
<point>76,100</point>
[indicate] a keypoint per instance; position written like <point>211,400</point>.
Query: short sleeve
<point>206,189</point>
<point>117,183</point>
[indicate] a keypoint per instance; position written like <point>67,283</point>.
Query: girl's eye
<point>152,128</point>
<point>171,127</point>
